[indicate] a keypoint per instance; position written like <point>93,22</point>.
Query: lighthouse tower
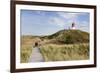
<point>73,26</point>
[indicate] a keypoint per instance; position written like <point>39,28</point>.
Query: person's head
<point>36,43</point>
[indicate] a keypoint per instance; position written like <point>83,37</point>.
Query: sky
<point>37,22</point>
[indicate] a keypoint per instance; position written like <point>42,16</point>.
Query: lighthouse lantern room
<point>73,26</point>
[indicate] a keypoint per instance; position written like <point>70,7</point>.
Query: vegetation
<point>53,52</point>
<point>70,36</point>
<point>26,48</point>
<point>27,44</point>
<point>25,54</point>
<point>60,46</point>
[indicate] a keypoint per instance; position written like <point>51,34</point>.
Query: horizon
<point>40,23</point>
<point>50,34</point>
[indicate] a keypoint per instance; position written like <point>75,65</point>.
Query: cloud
<point>68,15</point>
<point>58,21</point>
<point>83,25</point>
<point>64,19</point>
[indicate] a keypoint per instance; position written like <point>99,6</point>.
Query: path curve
<point>36,56</point>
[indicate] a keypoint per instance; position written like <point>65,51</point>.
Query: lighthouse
<point>73,26</point>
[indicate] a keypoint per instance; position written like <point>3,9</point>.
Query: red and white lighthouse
<point>73,26</point>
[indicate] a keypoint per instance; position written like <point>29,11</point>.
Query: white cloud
<point>58,21</point>
<point>64,20</point>
<point>83,25</point>
<point>68,15</point>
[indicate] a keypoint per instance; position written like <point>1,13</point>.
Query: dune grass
<point>26,49</point>
<point>54,52</point>
<point>26,53</point>
<point>27,44</point>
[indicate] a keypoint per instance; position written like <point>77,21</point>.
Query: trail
<point>36,55</point>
